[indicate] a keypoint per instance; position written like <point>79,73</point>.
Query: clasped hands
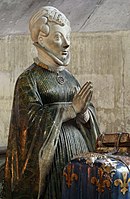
<point>82,98</point>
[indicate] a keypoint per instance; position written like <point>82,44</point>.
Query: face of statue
<point>57,42</point>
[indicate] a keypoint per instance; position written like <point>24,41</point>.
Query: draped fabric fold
<point>40,143</point>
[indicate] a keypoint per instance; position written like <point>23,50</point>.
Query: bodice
<point>50,90</point>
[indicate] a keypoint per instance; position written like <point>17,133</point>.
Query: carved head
<point>51,29</point>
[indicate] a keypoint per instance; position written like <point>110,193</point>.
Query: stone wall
<point>103,58</point>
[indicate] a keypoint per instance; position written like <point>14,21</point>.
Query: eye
<point>57,36</point>
<point>68,37</point>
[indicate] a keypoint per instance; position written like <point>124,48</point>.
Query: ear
<point>41,37</point>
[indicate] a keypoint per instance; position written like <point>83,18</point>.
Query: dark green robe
<point>40,144</point>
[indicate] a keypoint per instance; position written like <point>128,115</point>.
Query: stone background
<point>101,57</point>
<point>84,15</point>
<point>100,52</point>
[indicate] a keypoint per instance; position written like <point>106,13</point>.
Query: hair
<point>39,21</point>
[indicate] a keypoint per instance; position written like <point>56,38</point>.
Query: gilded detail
<point>70,177</point>
<point>101,183</point>
<point>123,183</point>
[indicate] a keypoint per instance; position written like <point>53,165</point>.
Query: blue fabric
<point>105,178</point>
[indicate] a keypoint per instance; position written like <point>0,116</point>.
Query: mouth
<point>64,52</point>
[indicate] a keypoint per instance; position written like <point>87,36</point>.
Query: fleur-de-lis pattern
<point>101,183</point>
<point>97,176</point>
<point>123,183</point>
<point>69,175</point>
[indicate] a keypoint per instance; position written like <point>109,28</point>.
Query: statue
<point>52,117</point>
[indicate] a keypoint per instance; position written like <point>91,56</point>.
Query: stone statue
<point>52,117</point>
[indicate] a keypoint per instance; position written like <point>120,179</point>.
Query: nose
<point>66,46</point>
<point>66,43</point>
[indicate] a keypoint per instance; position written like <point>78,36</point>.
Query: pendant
<point>60,79</point>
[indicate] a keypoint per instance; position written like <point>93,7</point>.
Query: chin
<point>65,59</point>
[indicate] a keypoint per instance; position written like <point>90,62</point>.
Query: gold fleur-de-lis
<point>123,184</point>
<point>101,183</point>
<point>70,176</point>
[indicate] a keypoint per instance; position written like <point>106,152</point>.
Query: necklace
<point>60,79</point>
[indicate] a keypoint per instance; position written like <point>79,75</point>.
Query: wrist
<point>69,113</point>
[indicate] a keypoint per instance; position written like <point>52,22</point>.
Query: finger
<point>85,86</point>
<point>87,101</point>
<point>87,96</point>
<point>90,96</point>
<point>85,93</point>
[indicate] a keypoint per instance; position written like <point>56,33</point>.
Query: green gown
<point>38,134</point>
